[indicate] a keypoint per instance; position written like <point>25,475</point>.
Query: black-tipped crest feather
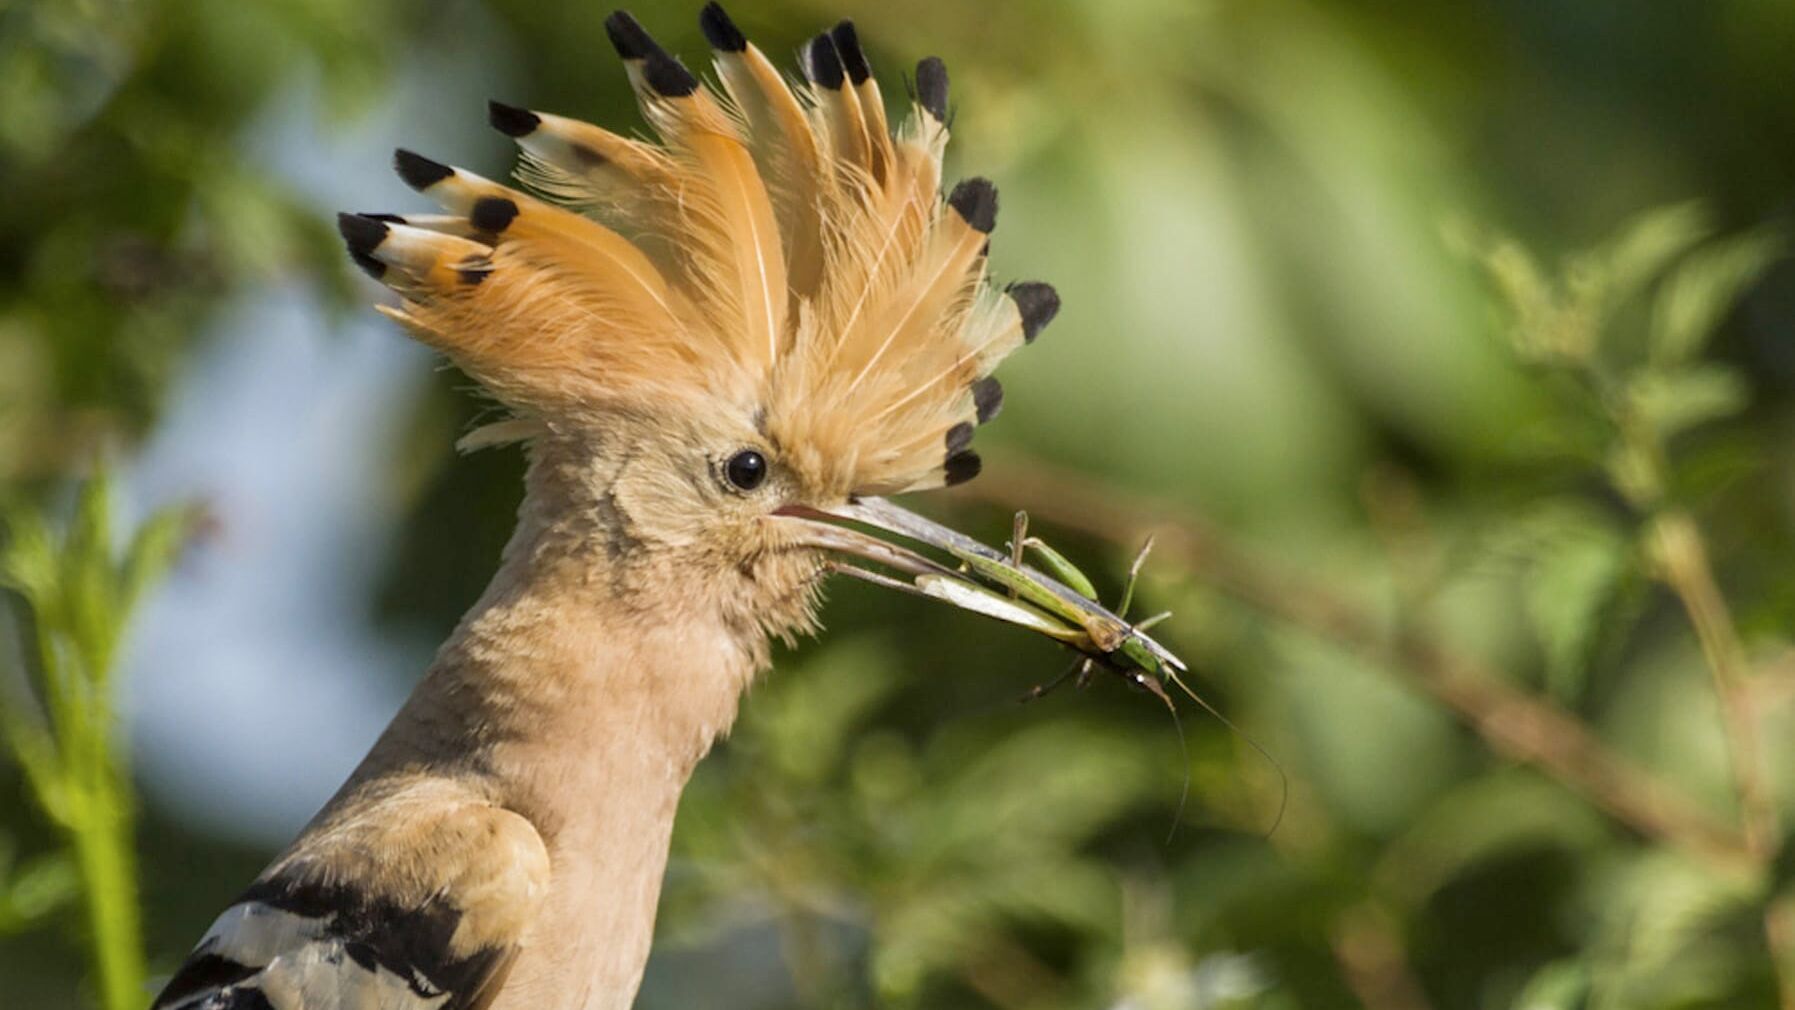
<point>847,46</point>
<point>369,265</point>
<point>975,200</point>
<point>362,233</point>
<point>959,437</point>
<point>662,72</point>
<point>419,172</point>
<point>511,120</point>
<point>1037,302</point>
<point>668,76</point>
<point>493,214</point>
<point>823,63</point>
<point>987,398</point>
<point>737,190</point>
<point>931,87</point>
<point>962,467</point>
<point>719,30</point>
<point>628,37</point>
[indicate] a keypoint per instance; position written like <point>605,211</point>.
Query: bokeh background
<point>1447,347</point>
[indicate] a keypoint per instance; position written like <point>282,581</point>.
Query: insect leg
<point>1018,535</point>
<point>1149,622</point>
<point>1079,666</point>
<point>1085,669</point>
<point>1134,574</point>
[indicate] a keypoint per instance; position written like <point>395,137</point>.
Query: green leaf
<point>1694,299</point>
<point>1050,785</point>
<point>40,887</point>
<point>1560,985</point>
<point>1646,246</point>
<point>28,559</point>
<point>1480,821</point>
<point>1675,401</point>
<point>1536,330</point>
<point>1571,562</point>
<point>1668,918</point>
<point>806,718</point>
<point>1573,579</point>
<point>78,592</point>
<point>153,550</point>
<point>35,751</point>
<point>89,584</point>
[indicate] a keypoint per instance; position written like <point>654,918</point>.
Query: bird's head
<point>714,342</point>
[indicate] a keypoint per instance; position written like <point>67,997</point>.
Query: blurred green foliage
<point>131,210</point>
<point>1485,541</point>
<point>79,592</point>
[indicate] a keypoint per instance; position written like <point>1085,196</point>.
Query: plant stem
<point>1687,569</point>
<point>1690,575</point>
<point>1373,962</point>
<point>103,852</point>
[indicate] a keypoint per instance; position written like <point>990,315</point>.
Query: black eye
<point>746,469</point>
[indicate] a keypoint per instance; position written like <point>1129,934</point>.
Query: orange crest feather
<point>780,250</point>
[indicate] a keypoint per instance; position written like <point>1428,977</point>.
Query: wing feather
<point>434,927</point>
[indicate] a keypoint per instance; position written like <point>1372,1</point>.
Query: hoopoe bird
<point>716,348</point>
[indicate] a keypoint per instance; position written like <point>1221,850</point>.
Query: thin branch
<point>1686,568</point>
<point>1373,962</point>
<point>1689,573</point>
<point>1513,723</point>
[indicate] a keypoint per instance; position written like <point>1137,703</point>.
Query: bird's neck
<point>582,705</point>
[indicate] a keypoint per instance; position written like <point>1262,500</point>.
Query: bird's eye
<point>746,469</point>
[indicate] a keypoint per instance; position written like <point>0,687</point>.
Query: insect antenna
<point>1184,751</point>
<point>1283,777</point>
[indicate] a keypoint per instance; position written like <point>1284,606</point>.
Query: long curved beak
<point>973,577</point>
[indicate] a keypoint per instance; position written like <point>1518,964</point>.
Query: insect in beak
<point>985,581</point>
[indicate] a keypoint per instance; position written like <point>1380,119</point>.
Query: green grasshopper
<point>1142,661</point>
<point>1061,605</point>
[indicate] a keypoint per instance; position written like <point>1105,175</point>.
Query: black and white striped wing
<point>419,927</point>
<point>313,948</point>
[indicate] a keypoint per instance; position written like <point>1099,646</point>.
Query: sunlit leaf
<point>1694,299</point>
<point>35,889</point>
<point>28,556</point>
<point>153,549</point>
<point>1541,328</point>
<point>1673,401</point>
<point>1560,985</point>
<point>1574,576</point>
<point>1669,921</point>
<point>1646,246</point>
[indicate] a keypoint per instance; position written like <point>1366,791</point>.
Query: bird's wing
<point>416,902</point>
